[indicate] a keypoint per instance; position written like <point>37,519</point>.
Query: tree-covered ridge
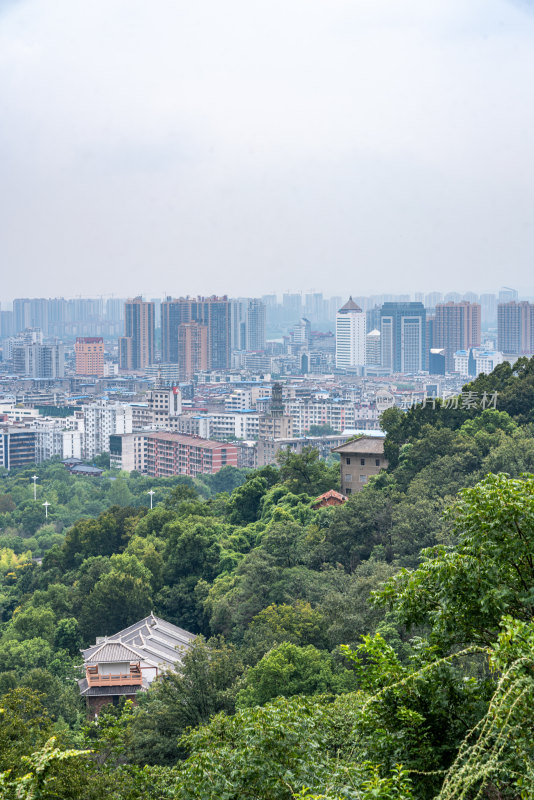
<point>381,649</point>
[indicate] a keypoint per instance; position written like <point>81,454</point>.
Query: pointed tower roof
<point>350,305</point>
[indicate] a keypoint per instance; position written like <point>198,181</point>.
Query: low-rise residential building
<point>475,361</point>
<point>101,420</point>
<point>159,410</point>
<point>170,454</point>
<point>359,460</point>
<point>127,451</point>
<point>17,446</point>
<point>56,436</point>
<point>220,426</point>
<point>245,399</point>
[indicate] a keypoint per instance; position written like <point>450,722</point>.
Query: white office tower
<point>350,336</point>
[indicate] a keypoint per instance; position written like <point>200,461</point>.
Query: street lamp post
<point>35,478</point>
<point>46,504</point>
<point>151,493</point>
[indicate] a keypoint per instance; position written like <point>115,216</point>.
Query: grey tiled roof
<point>113,652</point>
<point>363,445</point>
<point>152,640</point>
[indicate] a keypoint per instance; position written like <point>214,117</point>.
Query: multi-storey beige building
<point>359,460</point>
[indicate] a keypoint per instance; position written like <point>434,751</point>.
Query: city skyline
<point>331,293</point>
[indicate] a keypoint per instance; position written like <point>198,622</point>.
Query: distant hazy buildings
<point>136,347</point>
<point>292,304</point>
<point>488,307</point>
<point>508,295</point>
<point>350,336</point>
<point>403,337</point>
<point>300,334</point>
<point>59,317</point>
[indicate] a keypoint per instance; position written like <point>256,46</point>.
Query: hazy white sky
<point>249,146</point>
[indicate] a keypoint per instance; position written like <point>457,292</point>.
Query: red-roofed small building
<point>331,498</point>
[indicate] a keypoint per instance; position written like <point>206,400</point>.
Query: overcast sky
<point>250,146</point>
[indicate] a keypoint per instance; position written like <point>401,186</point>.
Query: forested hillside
<point>381,649</point>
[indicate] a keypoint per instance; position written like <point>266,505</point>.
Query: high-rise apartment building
<point>192,349</point>
<point>89,353</point>
<point>269,300</point>
<point>238,323</point>
<point>314,306</point>
<point>21,314</point>
<point>57,316</point>
<point>488,306</point>
<point>174,312</point>
<point>350,336</point>
<point>255,325</point>
<point>213,312</point>
<point>456,327</point>
<point>508,295</point>
<point>216,315</point>
<point>403,337</point>
<point>115,309</point>
<point>27,336</point>
<point>432,299</point>
<point>6,324</point>
<point>39,361</point>
<point>372,348</point>
<point>515,328</point>
<point>136,347</point>
<point>292,304</point>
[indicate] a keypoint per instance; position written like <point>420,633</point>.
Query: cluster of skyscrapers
<point>185,336</point>
<point>408,337</point>
<point>197,334</point>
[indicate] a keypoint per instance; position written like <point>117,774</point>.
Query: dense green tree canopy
<point>381,649</point>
